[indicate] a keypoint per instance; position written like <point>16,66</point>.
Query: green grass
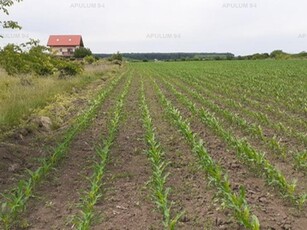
<point>20,95</point>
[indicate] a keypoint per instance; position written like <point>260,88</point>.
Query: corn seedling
<point>15,202</point>
<point>246,152</point>
<point>159,177</point>
<point>235,202</point>
<point>86,215</point>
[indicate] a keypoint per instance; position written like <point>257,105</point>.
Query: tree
<point>276,54</point>
<point>116,56</point>
<point>82,52</point>
<point>258,56</point>
<point>4,5</point>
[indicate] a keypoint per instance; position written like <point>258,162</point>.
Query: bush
<point>33,58</point>
<point>116,56</point>
<point>14,61</point>
<point>89,59</point>
<point>82,52</point>
<point>279,54</point>
<point>68,68</point>
<point>41,62</point>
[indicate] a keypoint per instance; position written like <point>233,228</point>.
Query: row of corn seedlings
<point>237,84</point>
<point>267,108</point>
<point>14,203</point>
<point>273,143</point>
<point>211,81</point>
<point>300,160</point>
<point>249,128</point>
<point>275,95</point>
<point>234,202</point>
<point>246,152</point>
<point>263,118</point>
<point>209,89</point>
<point>229,97</point>
<point>158,165</point>
<point>89,200</point>
<point>271,90</point>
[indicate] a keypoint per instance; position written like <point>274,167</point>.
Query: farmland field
<point>171,145</point>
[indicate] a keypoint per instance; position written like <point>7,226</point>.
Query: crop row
<point>268,92</point>
<point>15,202</point>
<point>158,165</point>
<point>251,129</point>
<point>88,201</point>
<point>236,203</point>
<point>270,86</point>
<point>245,151</point>
<point>254,129</point>
<point>219,86</point>
<point>216,85</point>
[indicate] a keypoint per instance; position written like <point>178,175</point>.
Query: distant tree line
<point>276,54</point>
<point>172,56</point>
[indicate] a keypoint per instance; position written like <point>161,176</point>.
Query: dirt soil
<point>273,211</point>
<point>24,146</point>
<point>126,201</point>
<point>56,200</point>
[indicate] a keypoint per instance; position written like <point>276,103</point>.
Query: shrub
<point>34,58</point>
<point>116,56</point>
<point>41,62</point>
<point>13,60</point>
<point>89,59</point>
<point>82,52</point>
<point>68,68</point>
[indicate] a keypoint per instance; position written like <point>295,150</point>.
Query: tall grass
<point>22,94</point>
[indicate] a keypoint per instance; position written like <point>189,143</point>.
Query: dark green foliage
<point>31,58</point>
<point>300,55</point>
<point>41,63</point>
<point>170,56</point>
<point>68,68</point>
<point>116,56</point>
<point>258,56</point>
<point>13,60</point>
<point>82,52</point>
<point>277,54</point>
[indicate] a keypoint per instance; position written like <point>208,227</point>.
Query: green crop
<point>158,165</point>
<point>15,202</point>
<point>245,151</point>
<point>90,198</point>
<point>235,202</point>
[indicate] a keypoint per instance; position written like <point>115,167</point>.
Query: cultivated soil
<point>127,199</point>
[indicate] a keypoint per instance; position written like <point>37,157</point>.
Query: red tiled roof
<point>65,40</point>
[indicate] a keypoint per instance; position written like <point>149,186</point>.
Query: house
<point>65,45</point>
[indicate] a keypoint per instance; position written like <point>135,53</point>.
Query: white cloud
<point>241,27</point>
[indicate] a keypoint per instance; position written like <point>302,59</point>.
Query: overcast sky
<point>241,27</point>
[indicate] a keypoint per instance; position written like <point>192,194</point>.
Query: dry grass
<point>20,95</point>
